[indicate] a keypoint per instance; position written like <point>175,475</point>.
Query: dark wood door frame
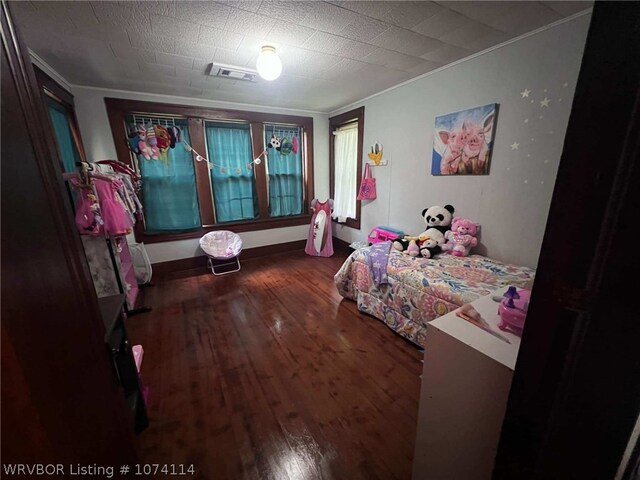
<point>53,90</point>
<point>576,391</point>
<point>61,402</point>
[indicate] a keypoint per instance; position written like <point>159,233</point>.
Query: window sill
<point>350,223</point>
<point>236,227</point>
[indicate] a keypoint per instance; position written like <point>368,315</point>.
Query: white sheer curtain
<point>346,170</point>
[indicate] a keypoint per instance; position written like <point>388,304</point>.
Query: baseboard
<point>196,265</point>
<point>339,244</point>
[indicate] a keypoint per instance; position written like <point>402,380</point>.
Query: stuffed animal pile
<point>283,145</point>
<point>153,141</point>
<point>443,233</point>
<point>429,242</point>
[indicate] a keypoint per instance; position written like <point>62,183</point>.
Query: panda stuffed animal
<point>438,217</point>
<point>438,220</point>
<point>274,142</point>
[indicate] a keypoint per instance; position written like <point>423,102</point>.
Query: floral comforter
<point>420,290</point>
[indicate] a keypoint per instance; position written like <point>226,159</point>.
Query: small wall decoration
<point>376,155</point>
<point>463,141</point>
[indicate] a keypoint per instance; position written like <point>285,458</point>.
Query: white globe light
<point>269,65</point>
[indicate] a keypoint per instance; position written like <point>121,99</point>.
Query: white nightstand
<point>466,378</point>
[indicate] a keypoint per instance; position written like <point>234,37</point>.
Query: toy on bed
<point>429,243</point>
<point>407,245</point>
<point>461,237</point>
<point>382,234</point>
<point>438,217</point>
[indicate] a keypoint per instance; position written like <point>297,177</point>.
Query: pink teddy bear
<point>461,237</point>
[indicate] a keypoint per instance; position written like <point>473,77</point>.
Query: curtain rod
<point>155,115</point>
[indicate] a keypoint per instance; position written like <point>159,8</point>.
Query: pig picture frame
<point>463,141</point>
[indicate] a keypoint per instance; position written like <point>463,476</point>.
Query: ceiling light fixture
<point>269,65</point>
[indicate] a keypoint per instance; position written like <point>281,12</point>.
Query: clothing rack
<point>89,170</point>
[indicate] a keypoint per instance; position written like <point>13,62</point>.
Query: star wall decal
<point>515,146</point>
<point>544,102</point>
<point>525,93</point>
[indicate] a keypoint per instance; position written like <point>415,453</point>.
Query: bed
<point>419,290</point>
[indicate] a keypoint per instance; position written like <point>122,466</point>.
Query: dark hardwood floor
<point>269,374</point>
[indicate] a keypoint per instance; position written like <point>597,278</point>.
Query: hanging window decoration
<point>284,142</point>
<point>212,165</point>
<point>152,139</point>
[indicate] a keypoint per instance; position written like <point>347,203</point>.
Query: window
<point>184,196</point>
<point>345,156</point>
<point>59,104</point>
<point>65,142</point>
<point>169,192</point>
<point>285,172</point>
<point>232,180</point>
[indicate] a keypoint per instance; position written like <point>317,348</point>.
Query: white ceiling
<point>333,53</point>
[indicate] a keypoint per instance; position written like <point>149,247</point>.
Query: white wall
<point>98,142</point>
<point>512,202</point>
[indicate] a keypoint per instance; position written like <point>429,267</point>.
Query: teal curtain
<point>285,173</point>
<point>234,187</point>
<point>169,194</point>
<point>64,139</point>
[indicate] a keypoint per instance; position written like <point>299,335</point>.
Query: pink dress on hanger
<point>88,213</point>
<point>114,213</point>
<point>320,239</point>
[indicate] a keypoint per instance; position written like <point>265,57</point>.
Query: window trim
<point>335,123</point>
<point>54,91</point>
<point>118,109</point>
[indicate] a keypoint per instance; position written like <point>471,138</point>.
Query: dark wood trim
<point>308,169</point>
<point>34,109</point>
<point>260,171</point>
<point>251,226</point>
<point>215,114</point>
<point>78,413</point>
<point>203,175</point>
<point>198,265</point>
<point>120,136</point>
<point>356,115</point>
<point>347,117</point>
<point>118,109</point>
<point>77,138</point>
<point>53,88</point>
<point>339,244</point>
<point>56,92</point>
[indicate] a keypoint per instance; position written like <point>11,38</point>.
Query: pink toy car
<point>382,234</point>
<point>513,310</point>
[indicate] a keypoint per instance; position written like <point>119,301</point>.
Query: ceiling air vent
<point>232,72</point>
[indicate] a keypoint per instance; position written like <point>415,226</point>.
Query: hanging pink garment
<point>116,219</point>
<point>320,239</point>
<point>88,213</point>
